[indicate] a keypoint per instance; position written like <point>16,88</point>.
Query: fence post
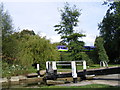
<point>54,67</point>
<point>74,73</point>
<point>100,63</point>
<point>84,69</point>
<point>47,66</point>
<point>103,63</point>
<point>38,70</point>
<point>106,64</point>
<point>49,69</point>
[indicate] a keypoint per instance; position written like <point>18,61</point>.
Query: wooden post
<point>103,63</point>
<point>38,70</point>
<point>54,67</point>
<point>47,66</point>
<point>74,73</point>
<point>106,64</point>
<point>100,63</point>
<point>84,69</point>
<point>84,65</point>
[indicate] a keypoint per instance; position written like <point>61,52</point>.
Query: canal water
<point>112,79</point>
<point>24,85</point>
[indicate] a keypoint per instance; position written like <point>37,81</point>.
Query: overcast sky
<point>41,16</point>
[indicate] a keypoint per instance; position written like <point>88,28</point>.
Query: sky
<point>42,15</point>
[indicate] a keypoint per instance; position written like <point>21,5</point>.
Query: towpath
<point>112,79</point>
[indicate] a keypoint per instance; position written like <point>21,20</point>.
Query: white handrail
<point>65,61</point>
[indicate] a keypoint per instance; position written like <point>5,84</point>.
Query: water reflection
<point>9,86</point>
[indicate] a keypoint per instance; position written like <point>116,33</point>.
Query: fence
<point>51,67</point>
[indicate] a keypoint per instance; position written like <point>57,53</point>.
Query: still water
<point>24,85</point>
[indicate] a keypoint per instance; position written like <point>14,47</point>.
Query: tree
<point>110,31</point>
<point>27,32</point>
<point>6,29</point>
<point>75,46</point>
<point>102,56</point>
<point>5,22</point>
<point>69,19</point>
<point>26,49</point>
<point>35,49</point>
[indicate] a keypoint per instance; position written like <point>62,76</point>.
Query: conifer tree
<point>102,56</point>
<point>69,20</point>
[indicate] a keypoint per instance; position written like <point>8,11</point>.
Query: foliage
<point>93,55</point>
<point>5,22</point>
<point>27,32</point>
<point>34,49</point>
<point>110,31</point>
<point>15,69</point>
<point>6,29</point>
<point>65,56</point>
<point>102,56</point>
<point>23,48</point>
<point>75,46</point>
<point>69,19</point>
<point>29,49</point>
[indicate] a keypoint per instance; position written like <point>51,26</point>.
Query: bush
<point>14,70</point>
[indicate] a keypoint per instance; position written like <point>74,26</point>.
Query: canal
<point>112,79</point>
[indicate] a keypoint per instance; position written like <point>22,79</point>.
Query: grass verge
<point>86,86</point>
<point>80,67</point>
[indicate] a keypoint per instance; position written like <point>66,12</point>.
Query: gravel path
<point>113,80</point>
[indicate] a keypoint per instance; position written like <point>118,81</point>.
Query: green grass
<point>86,86</point>
<point>80,67</point>
<point>94,66</point>
<point>18,70</point>
<point>9,70</point>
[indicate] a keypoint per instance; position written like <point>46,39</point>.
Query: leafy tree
<point>27,32</point>
<point>6,29</point>
<point>69,20</point>
<point>31,49</point>
<point>110,31</point>
<point>102,56</point>
<point>93,55</point>
<point>76,47</point>
<point>5,22</point>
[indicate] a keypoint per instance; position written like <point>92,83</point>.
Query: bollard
<point>84,69</point>
<point>74,73</point>
<point>38,70</point>
<point>54,67</point>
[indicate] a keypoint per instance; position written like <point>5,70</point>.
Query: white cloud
<point>55,38</point>
<point>89,39</point>
<point>42,34</point>
<point>52,38</point>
